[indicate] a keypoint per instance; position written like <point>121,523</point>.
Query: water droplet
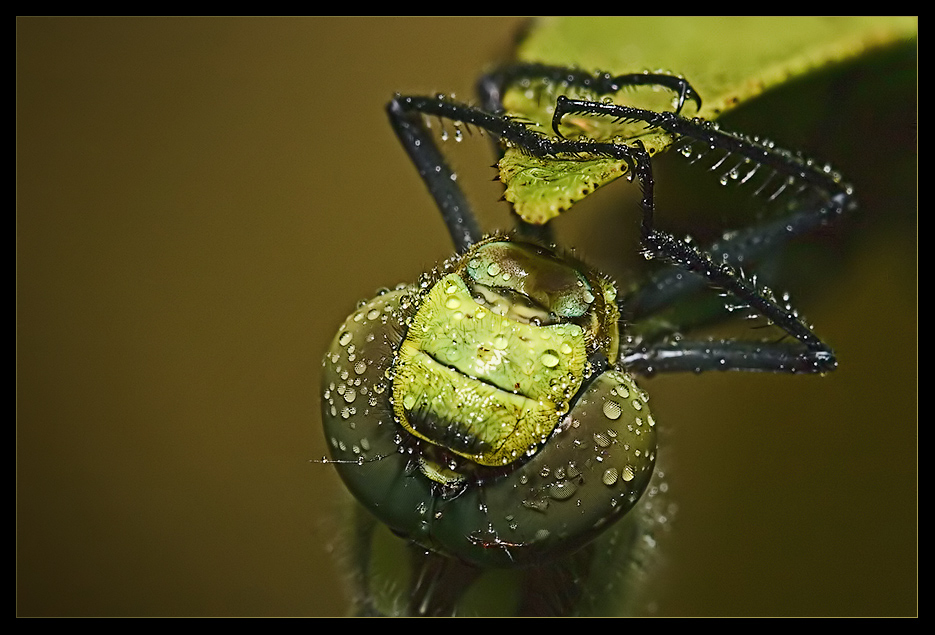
<point>610,476</point>
<point>601,440</point>
<point>562,490</point>
<point>612,409</point>
<point>549,358</point>
<point>344,338</point>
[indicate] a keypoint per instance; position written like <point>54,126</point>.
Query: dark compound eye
<point>479,433</point>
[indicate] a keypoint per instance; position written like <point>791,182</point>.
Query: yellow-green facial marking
<point>495,353</point>
<point>486,386</point>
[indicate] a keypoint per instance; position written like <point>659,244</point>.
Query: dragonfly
<point>489,415</point>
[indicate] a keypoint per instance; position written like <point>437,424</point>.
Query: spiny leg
<point>812,356</point>
<point>737,249</point>
<point>830,197</point>
<point>669,287</point>
<point>491,86</point>
<point>718,266</point>
<point>405,118</point>
<point>701,356</point>
<point>406,114</point>
<point>816,356</point>
<point>438,177</point>
<point>756,153</point>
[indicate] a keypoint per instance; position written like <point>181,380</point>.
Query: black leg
<point>406,117</point>
<point>491,86</point>
<point>666,289</point>
<point>792,169</point>
<point>719,266</point>
<point>737,249</point>
<point>813,354</point>
<point>457,214</point>
<point>771,357</point>
<point>438,177</point>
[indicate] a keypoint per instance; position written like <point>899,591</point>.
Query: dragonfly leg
<point>827,197</point>
<point>490,87</point>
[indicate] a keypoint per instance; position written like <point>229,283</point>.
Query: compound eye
<point>521,269</point>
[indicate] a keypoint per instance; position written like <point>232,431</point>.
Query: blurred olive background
<point>200,202</point>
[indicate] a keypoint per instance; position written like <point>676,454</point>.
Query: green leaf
<point>728,60</point>
<point>543,188</point>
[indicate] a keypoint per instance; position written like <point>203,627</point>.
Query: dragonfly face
<point>477,414</point>
<point>488,414</point>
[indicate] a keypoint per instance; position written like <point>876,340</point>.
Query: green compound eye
<point>469,418</point>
